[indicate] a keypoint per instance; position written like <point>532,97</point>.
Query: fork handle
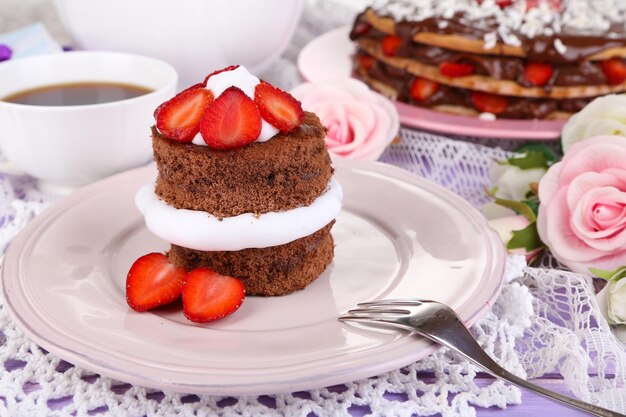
<point>458,338</point>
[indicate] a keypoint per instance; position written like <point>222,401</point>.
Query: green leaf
<point>615,275</point>
<point>549,154</point>
<point>533,203</point>
<point>527,208</point>
<point>530,160</point>
<point>527,238</point>
<point>519,207</point>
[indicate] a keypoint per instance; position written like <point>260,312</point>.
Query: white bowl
<point>195,36</point>
<point>69,146</point>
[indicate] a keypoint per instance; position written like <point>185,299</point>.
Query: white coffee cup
<point>68,146</point>
<point>195,36</point>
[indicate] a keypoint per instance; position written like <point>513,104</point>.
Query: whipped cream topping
<point>246,82</point>
<point>201,231</point>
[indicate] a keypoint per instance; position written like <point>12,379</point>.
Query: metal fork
<point>440,323</point>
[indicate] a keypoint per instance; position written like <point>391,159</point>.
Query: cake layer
<point>289,171</point>
<point>201,231</point>
<point>397,86</point>
<point>276,270</point>
<point>495,67</point>
<point>487,83</point>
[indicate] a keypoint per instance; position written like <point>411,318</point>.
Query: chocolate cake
<point>261,211</point>
<point>275,270</point>
<point>518,59</point>
<point>289,171</point>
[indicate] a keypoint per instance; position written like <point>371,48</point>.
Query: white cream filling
<point>241,78</point>
<point>201,231</point>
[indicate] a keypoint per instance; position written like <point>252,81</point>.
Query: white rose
<point>616,301</point>
<point>494,211</point>
<point>612,301</point>
<point>603,116</point>
<point>505,226</point>
<point>511,182</point>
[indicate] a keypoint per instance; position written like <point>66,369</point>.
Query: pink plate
<point>328,56</point>
<point>64,275</point>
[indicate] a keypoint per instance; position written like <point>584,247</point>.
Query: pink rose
<point>582,215</point>
<point>360,122</point>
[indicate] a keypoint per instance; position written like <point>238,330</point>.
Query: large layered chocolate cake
<point>245,184</point>
<point>518,59</point>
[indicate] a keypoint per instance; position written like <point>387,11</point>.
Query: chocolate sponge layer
<point>277,270</point>
<point>288,171</point>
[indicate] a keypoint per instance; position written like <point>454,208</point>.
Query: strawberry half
<point>232,121</point>
<point>209,296</point>
<point>615,70</point>
<point>179,118</point>
<point>153,281</point>
<point>455,69</point>
<point>390,44</point>
<point>229,68</point>
<point>422,89</point>
<point>538,73</point>
<point>366,62</point>
<point>277,107</point>
<point>489,103</point>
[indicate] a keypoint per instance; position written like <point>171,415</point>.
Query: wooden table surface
<point>532,405</point>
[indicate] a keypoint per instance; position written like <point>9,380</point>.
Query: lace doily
<point>544,321</point>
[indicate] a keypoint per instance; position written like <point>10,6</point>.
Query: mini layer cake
<point>516,59</point>
<point>249,193</point>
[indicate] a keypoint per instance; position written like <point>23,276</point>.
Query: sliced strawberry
<point>209,296</point>
<point>538,73</point>
<point>163,105</point>
<point>422,89</point>
<point>489,103</point>
<point>232,121</point>
<point>366,62</point>
<point>390,44</point>
<point>455,69</point>
<point>615,70</point>
<point>230,68</point>
<point>179,118</point>
<point>277,107</point>
<point>153,281</point>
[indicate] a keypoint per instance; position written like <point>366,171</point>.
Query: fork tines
<point>391,303</point>
<point>378,311</point>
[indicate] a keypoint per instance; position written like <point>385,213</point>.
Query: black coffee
<point>76,94</point>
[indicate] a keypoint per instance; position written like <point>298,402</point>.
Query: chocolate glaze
<point>579,47</point>
<point>502,67</point>
<point>518,107</point>
<point>539,48</point>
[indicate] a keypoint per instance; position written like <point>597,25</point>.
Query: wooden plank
<point>534,405</point>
